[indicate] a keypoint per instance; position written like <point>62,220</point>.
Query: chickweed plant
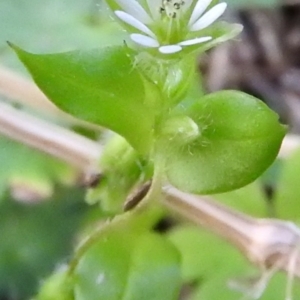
<point>167,131</point>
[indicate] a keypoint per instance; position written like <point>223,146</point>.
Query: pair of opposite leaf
<point>237,136</point>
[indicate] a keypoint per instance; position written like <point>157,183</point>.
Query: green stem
<point>140,219</point>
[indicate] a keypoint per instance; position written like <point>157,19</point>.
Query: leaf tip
<point>13,46</point>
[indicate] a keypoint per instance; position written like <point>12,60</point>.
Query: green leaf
<point>123,265</point>
<point>239,138</point>
<point>101,86</point>
<point>155,265</point>
<point>213,263</point>
<point>57,287</point>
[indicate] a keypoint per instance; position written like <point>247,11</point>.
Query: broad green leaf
<point>101,86</point>
<point>123,265</point>
<point>239,138</point>
<point>287,193</point>
<point>155,266</point>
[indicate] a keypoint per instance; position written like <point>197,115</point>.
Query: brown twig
<point>15,87</point>
<point>267,243</point>
<point>64,144</point>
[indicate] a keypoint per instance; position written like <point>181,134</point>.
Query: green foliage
<point>122,264</point>
<point>57,287</point>
<point>212,266</point>
<point>35,239</point>
<point>239,138</point>
<point>100,86</point>
<point>201,143</point>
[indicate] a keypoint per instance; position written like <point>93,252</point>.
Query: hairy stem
<point>70,147</point>
<point>265,242</point>
<point>268,243</point>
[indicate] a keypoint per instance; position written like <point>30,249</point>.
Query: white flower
<point>168,25</point>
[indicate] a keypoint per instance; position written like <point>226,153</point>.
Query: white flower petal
<point>199,9</point>
<point>144,40</point>
<point>195,41</point>
<point>130,20</point>
<point>154,7</point>
<point>170,49</point>
<point>208,18</point>
<point>133,8</point>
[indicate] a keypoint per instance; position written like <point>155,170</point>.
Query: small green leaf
<point>123,265</point>
<point>101,86</point>
<point>239,138</point>
<point>57,287</point>
<point>101,272</point>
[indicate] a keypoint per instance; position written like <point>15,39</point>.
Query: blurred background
<point>42,211</point>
